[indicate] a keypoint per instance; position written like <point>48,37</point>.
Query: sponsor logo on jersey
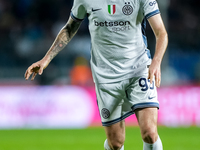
<point>111,23</point>
<point>152,3</point>
<point>117,26</point>
<point>127,9</point>
<point>111,9</point>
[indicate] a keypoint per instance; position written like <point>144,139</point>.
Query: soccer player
<point>125,76</point>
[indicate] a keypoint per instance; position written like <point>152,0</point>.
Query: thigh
<point>115,132</point>
<point>147,119</point>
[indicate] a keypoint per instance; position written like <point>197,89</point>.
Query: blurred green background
<point>93,138</point>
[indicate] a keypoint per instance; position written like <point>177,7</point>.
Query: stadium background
<point>39,114</point>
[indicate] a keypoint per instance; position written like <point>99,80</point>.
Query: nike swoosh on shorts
<point>151,97</point>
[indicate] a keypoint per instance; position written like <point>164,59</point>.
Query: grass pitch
<point>93,138</point>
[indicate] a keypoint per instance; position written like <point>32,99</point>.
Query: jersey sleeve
<point>150,8</point>
<point>78,11</point>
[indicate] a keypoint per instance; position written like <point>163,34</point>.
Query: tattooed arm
<point>62,39</point>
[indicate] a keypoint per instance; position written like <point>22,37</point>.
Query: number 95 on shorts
<point>118,100</point>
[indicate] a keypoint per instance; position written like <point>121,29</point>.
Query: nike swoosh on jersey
<point>95,9</point>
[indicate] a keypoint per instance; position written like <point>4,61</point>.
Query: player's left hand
<point>154,70</point>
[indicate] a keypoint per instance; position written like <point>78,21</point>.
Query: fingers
<point>150,76</point>
<point>33,69</point>
<point>158,79</point>
<point>33,76</point>
<point>28,73</point>
<point>40,71</point>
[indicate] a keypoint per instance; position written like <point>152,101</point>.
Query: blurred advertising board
<point>45,107</point>
<point>179,106</point>
<point>76,107</point>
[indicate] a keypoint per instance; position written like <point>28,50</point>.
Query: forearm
<point>161,46</point>
<point>161,37</point>
<point>62,39</point>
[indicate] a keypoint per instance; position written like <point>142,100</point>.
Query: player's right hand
<point>34,69</point>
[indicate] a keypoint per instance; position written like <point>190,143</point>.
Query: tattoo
<point>63,38</point>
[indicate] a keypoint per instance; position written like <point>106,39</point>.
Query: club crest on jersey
<point>127,9</point>
<point>111,9</point>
